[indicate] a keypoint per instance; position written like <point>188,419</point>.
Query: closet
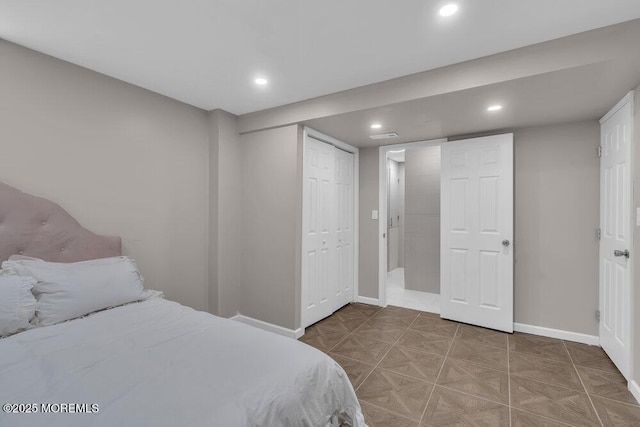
<point>328,217</point>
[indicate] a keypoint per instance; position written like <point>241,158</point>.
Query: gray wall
<point>422,219</point>
<point>403,221</point>
<point>557,202</point>
<point>122,160</point>
<point>556,214</point>
<point>225,258</point>
<point>271,215</point>
<point>395,206</point>
<point>214,159</point>
<point>369,195</point>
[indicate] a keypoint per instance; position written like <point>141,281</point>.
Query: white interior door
<point>477,231</point>
<point>615,225</point>
<point>344,227</point>
<point>319,238</point>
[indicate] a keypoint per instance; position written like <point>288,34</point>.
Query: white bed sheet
<point>157,363</point>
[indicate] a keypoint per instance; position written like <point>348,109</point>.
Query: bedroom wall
<point>422,219</point>
<point>556,214</point>
<point>122,160</point>
<point>225,256</point>
<point>557,210</point>
<point>271,225</point>
<point>368,240</point>
<point>213,243</point>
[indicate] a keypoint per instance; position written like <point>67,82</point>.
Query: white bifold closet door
<point>344,226</point>
<point>327,238</point>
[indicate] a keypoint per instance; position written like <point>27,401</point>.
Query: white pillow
<point>17,304</point>
<point>66,291</point>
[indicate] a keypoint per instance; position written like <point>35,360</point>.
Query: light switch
<point>374,214</point>
<point>637,217</point>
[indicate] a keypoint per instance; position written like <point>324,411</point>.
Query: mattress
<point>158,363</point>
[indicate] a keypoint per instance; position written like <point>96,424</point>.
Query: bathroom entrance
<point>413,227</point>
<point>453,219</point>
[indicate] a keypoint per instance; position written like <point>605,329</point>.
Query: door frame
<point>308,132</point>
<point>382,208</point>
<point>628,98</point>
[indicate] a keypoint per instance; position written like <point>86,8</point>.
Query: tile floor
<point>411,368</point>
<point>399,296</point>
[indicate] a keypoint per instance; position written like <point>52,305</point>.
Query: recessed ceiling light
<point>495,108</point>
<point>448,9</point>
<point>376,126</point>
<point>261,81</point>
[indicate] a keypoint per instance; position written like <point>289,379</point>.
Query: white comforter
<point>157,363</point>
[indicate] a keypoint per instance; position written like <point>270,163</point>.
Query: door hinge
<point>598,315</point>
<point>598,233</point>
<point>599,150</point>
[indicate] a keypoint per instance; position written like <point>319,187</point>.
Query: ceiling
<point>207,53</point>
<point>580,93</point>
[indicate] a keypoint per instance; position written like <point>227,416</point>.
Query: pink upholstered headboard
<point>36,227</point>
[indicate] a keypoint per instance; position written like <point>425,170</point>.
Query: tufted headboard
<point>36,227</point>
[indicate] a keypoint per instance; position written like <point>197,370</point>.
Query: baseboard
<point>290,333</point>
<point>557,333</point>
<point>634,388</point>
<point>367,300</point>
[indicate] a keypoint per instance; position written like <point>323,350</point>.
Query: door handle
<point>624,253</point>
<point>505,243</point>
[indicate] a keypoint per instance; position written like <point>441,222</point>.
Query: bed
<point>154,362</point>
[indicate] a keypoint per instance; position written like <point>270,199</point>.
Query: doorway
<point>458,228</point>
<point>410,225</point>
<point>413,228</point>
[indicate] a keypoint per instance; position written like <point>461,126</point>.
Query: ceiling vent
<point>384,135</point>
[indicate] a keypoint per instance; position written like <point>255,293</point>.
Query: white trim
<point>367,300</point>
<point>627,98</point>
<point>312,133</point>
<point>634,388</point>
<point>290,333</point>
<point>382,208</point>
<point>633,315</point>
<point>557,333</point>
<point>356,223</point>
